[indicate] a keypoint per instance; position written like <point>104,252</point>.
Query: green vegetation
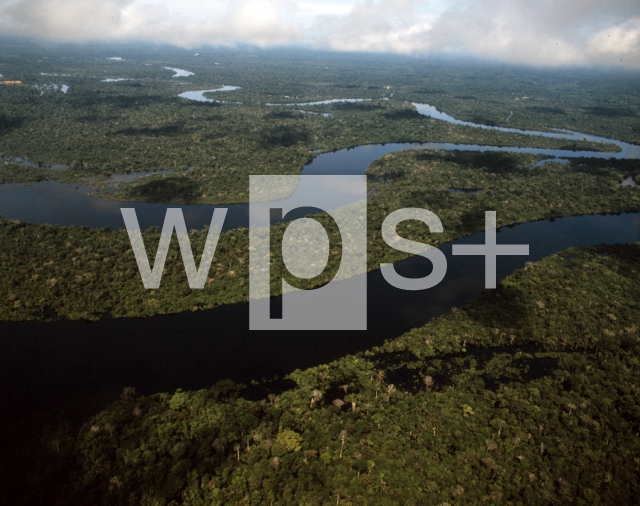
<point>509,186</point>
<point>581,100</point>
<point>100,128</point>
<point>81,273</point>
<point>529,394</point>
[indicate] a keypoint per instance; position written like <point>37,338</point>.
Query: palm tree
<point>390,389</point>
<point>343,439</point>
<point>316,395</point>
<point>380,376</point>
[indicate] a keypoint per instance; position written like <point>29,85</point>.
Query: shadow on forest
<point>546,110</point>
<point>121,101</point>
<point>529,369</point>
<point>465,97</point>
<point>9,123</point>
<point>481,120</point>
<point>92,117</point>
<point>284,135</point>
<point>610,112</point>
<point>492,162</point>
<point>499,365</point>
<point>505,307</point>
<point>602,167</point>
<point>494,365</point>
<point>197,103</point>
<point>502,307</point>
<point>471,221</point>
<point>167,190</point>
<point>162,131</point>
<point>283,115</point>
<point>406,372</point>
<point>571,147</point>
<point>257,392</point>
<point>430,92</point>
<point>357,106</point>
<point>404,114</point>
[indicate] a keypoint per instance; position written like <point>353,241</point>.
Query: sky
<point>533,32</point>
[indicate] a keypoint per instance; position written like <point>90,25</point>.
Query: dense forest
<point>140,124</point>
<point>529,394</point>
<point>83,273</point>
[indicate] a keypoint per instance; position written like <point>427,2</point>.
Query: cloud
<point>540,33</point>
<point>400,26</point>
<point>621,41</point>
<point>545,32</point>
<point>324,8</point>
<point>63,19</point>
<point>575,32</point>
<point>257,22</point>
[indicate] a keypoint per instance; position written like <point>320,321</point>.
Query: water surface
<point>198,95</point>
<point>61,204</point>
<point>78,367</point>
<point>179,72</point>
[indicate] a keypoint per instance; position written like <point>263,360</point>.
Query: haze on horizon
<point>544,33</point>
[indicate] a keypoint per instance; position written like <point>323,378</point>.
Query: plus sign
<point>490,249</point>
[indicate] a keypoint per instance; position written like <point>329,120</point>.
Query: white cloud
<point>324,8</point>
<point>400,26</point>
<point>619,41</point>
<point>540,33</point>
<point>78,19</point>
<point>545,32</point>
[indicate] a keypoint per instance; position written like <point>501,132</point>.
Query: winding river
<point>76,367</point>
<point>65,204</point>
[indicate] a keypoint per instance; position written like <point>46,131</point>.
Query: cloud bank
<point>543,32</point>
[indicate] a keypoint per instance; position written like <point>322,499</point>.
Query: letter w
<point>173,219</point>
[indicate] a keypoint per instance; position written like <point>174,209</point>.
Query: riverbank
<point>227,143</point>
<point>83,273</point>
<point>510,390</point>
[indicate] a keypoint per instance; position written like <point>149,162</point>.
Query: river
<point>67,204</point>
<point>77,367</point>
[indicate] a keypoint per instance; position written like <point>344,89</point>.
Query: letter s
<point>434,255</point>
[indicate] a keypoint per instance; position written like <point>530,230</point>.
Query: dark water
<point>66,204</point>
<point>62,204</point>
<point>78,367</point>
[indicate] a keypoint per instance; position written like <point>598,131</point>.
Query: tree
<point>390,389</point>
<point>316,395</point>
<point>380,376</point>
<point>343,439</point>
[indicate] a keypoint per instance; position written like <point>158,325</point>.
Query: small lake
<point>198,95</point>
<point>179,72</point>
